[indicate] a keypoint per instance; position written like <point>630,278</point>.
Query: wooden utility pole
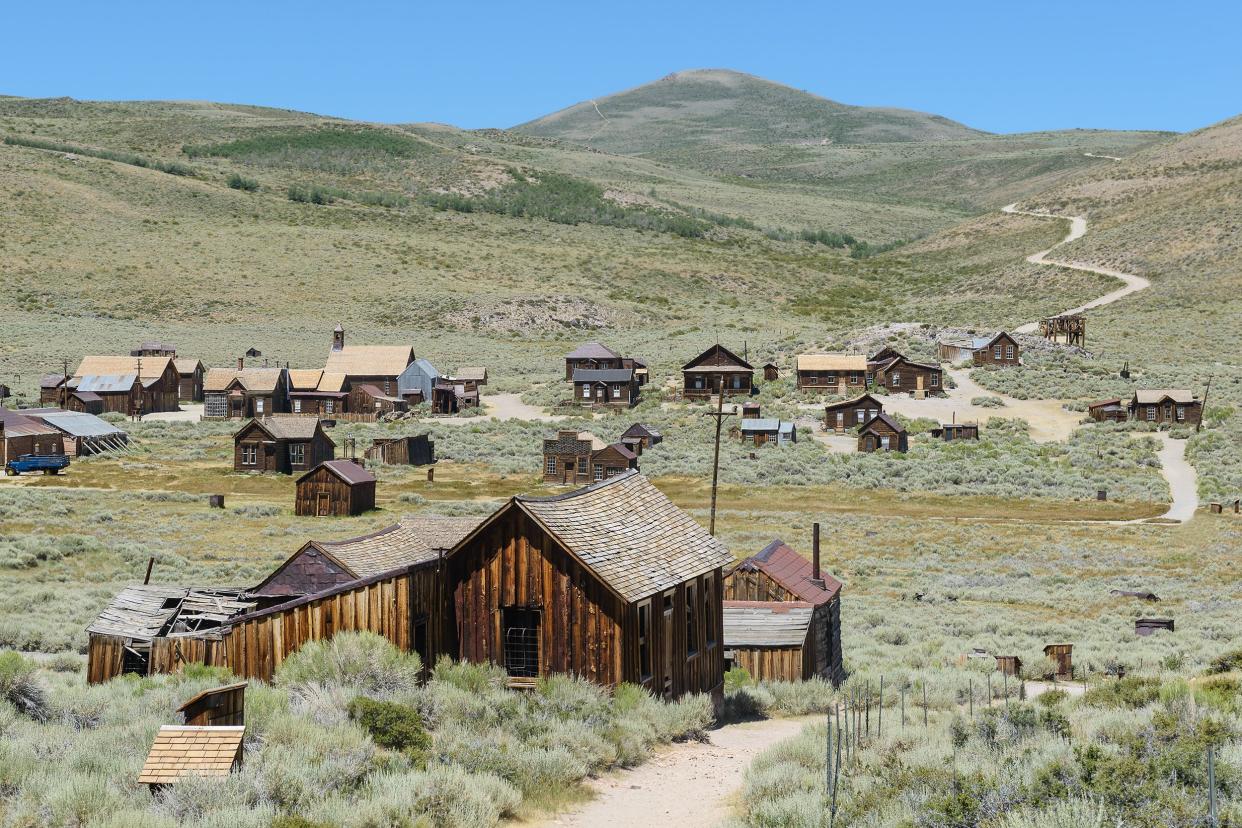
<point>64,386</point>
<point>719,414</point>
<point>1203,407</point>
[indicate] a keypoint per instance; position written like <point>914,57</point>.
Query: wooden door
<point>323,504</point>
<point>840,421</point>
<point>666,646</point>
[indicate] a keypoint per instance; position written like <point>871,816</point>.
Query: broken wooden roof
<point>626,531</point>
<point>147,367</point>
<point>369,360</point>
<point>153,611</point>
<point>780,562</point>
<point>192,750</point>
<point>832,362</point>
<point>347,470</point>
<point>593,350</point>
<point>766,623</point>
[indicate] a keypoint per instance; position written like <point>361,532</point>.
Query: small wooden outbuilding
<point>1108,410</point>
<point>1147,626</point>
<point>771,372</point>
<point>956,431</point>
<point>335,488</point>
<point>882,433</point>
<point>217,707</point>
<point>181,751</point>
<point>1063,656</point>
<point>1009,665</point>
<point>410,450</point>
<point>643,435</point>
<point>845,414</point>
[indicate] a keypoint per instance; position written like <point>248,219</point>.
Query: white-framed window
<point>1151,413</point>
<point>1181,413</point>
<point>258,405</point>
<point>549,465</point>
<point>297,454</point>
<point>297,406</point>
<point>1008,352</point>
<point>616,392</point>
<point>933,379</point>
<point>895,380</point>
<point>996,352</point>
<point>250,454</point>
<point>329,406</point>
<point>862,416</point>
<point>599,473</point>
<point>586,392</point>
<point>884,443</point>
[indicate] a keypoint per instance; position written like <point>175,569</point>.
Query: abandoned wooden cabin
<point>770,372</point>
<point>113,379</point>
<point>791,646</point>
<point>192,751</point>
<point>20,435</point>
<point>591,356</point>
<point>956,431</point>
<point>153,348</point>
<point>613,583</point>
<point>281,445</point>
<point>54,390</point>
<point>367,398</point>
<point>1108,411</point>
<point>749,410</point>
<point>1146,626</point>
<point>1000,350</point>
<point>378,365</point>
<point>882,433</point>
<point>1166,407</point>
<point>319,566</point>
<point>416,382</point>
<point>567,457</point>
<point>216,707</point>
<point>842,374</point>
<point>190,376</point>
<point>902,375</point>
<point>1062,657</point>
<point>82,434</point>
<point>475,375</point>
<point>240,393</point>
<point>335,488</point>
<point>760,431</point>
<point>639,436</point>
<point>450,396</point>
<point>606,387</point>
<point>845,414</point>
<point>703,376</point>
<point>318,393</point>
<point>410,450</point>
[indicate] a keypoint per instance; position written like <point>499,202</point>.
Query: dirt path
<point>189,413</point>
<point>689,785</point>
<point>1078,229</point>
<point>1181,476</point>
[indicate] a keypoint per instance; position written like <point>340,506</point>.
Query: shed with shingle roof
<point>335,488</point>
<point>1166,406</point>
<point>192,750</point>
<point>612,582</point>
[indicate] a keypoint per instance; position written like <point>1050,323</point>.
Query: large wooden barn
<point>335,488</point>
<point>281,445</point>
<point>612,582</point>
<point>702,376</point>
<point>782,616</point>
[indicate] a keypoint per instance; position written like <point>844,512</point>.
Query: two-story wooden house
<point>281,445</point>
<point>705,375</point>
<point>843,374</point>
<point>236,394</point>
<point>579,457</point>
<point>607,387</point>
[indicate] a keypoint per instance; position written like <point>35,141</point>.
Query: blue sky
<point>1004,66</point>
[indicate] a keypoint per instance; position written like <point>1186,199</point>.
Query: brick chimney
<point>241,363</point>
<point>338,338</point>
<point>816,574</point>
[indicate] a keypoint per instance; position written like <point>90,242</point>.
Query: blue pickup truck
<point>46,463</point>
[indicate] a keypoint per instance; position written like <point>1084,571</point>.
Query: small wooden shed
<point>1009,665</point>
<point>335,488</point>
<point>956,431</point>
<point>642,435</point>
<point>410,450</point>
<point>190,750</point>
<point>217,707</point>
<point>771,372</point>
<point>1108,410</point>
<point>1147,626</point>
<point>1063,655</point>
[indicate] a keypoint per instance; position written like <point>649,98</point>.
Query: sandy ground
<point>690,785</point>
<point>189,413</point>
<point>1078,229</point>
<point>511,407</point>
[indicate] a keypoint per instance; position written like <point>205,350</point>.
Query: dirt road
<point>1078,229</point>
<point>689,785</point>
<point>511,407</point>
<point>1181,476</point>
<point>189,413</point>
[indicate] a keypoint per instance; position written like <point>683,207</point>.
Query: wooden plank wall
<point>103,658</point>
<point>754,586</point>
<point>772,663</point>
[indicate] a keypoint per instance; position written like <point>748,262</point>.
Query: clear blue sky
<point>1004,65</point>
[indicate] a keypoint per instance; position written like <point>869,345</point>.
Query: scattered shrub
<point>20,685</point>
<point>240,182</point>
<point>391,725</point>
<point>362,660</point>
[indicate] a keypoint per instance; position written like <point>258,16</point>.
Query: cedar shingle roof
<point>415,539</point>
<point>832,362</point>
<point>185,750</point>
<point>304,379</point>
<point>347,470</point>
<point>370,360</point>
<point>152,366</point>
<point>1154,396</point>
<point>782,564</point>
<point>287,427</point>
<point>766,623</point>
<point>865,398</point>
<point>640,430</point>
<point>331,381</point>
<point>187,365</point>
<point>718,359</point>
<point>629,534</point>
<point>252,379</point>
<point>883,418</point>
<point>476,373</point>
<point>593,350</point>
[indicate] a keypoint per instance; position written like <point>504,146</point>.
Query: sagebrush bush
<point>20,685</point>
<point>362,660</point>
<point>392,725</point>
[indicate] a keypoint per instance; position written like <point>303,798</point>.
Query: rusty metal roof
<point>19,425</point>
<point>792,571</point>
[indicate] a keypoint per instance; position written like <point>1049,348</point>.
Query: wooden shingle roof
<point>832,362</point>
<point>251,379</point>
<point>288,427</point>
<point>413,540</point>
<point>629,534</point>
<point>369,360</point>
<point>153,367</point>
<point>150,611</point>
<point>347,470</point>
<point>766,623</point>
<point>187,750</point>
<point>1156,396</point>
<point>593,350</point>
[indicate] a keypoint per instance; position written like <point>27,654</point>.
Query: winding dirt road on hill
<point>690,785</point>
<point>1078,229</point>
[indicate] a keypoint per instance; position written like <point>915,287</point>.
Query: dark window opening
<point>709,599</point>
<point>644,641</point>
<point>520,627</point>
<point>135,660</point>
<point>692,620</point>
<point>418,639</point>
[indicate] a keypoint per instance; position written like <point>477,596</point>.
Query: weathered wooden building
<point>54,389</point>
<point>241,393</point>
<point>1173,406</point>
<point>1108,410</point>
<point>760,431</point>
<point>956,431</point>
<point>281,445</point>
<point>782,616</point>
<point>20,435</point>
<point>82,434</point>
<point>410,450</point>
<point>216,707</point>
<point>1062,656</point>
<point>579,458</point>
<point>882,433</point>
<point>609,387</point>
<point>315,392</point>
<point>853,413</point>
<point>639,436</point>
<point>190,376</point>
<point>367,398</point>
<point>843,374</point>
<point>1000,350</point>
<point>152,348</point>
<point>703,376</point>
<point>771,372</point>
<point>335,488</point>
<point>901,375</point>
<point>378,365</point>
<point>591,356</point>
<point>156,387</point>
